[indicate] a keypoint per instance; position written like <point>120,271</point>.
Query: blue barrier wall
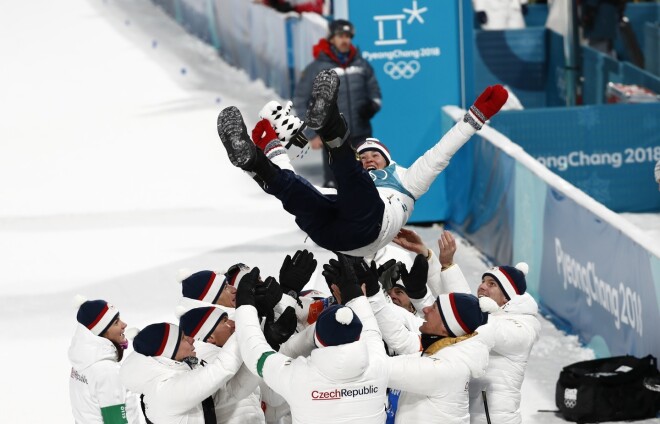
<point>652,48</point>
<point>589,147</point>
<point>595,280</point>
<point>515,58</point>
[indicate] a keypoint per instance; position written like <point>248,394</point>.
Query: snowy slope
<point>112,178</point>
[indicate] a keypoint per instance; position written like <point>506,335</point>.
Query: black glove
<point>367,275</point>
<point>246,288</point>
<point>296,272</point>
<point>278,332</point>
<point>482,17</point>
<point>388,274</point>
<point>415,280</point>
<point>267,295</point>
<point>524,9</point>
<point>368,110</point>
<point>341,273</point>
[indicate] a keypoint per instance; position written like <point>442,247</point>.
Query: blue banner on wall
<point>414,47</point>
<point>589,147</point>
<point>603,288</point>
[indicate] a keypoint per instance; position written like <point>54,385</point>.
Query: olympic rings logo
<point>378,174</point>
<point>401,69</point>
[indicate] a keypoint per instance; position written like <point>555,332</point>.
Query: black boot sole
<point>233,133</point>
<point>324,95</point>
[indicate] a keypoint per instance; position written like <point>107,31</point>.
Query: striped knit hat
<point>96,315</point>
<point>199,323</point>
<point>373,144</point>
<point>203,285</point>
<point>160,339</point>
<point>460,312</point>
<point>510,279</point>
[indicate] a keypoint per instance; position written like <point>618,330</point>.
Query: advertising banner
<point>591,149</point>
<point>598,280</point>
<point>415,48</point>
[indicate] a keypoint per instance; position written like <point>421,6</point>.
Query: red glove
<point>489,102</point>
<point>263,133</point>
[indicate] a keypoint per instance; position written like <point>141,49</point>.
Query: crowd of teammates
<point>254,349</point>
<point>391,344</point>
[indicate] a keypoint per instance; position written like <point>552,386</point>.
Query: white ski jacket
<point>335,384</point>
<point>97,395</point>
<point>238,401</point>
<point>434,388</point>
<point>400,187</point>
<point>516,329</point>
<point>173,392</point>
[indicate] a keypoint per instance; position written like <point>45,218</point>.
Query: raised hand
<point>246,289</point>
<point>410,240</point>
<point>489,102</point>
<point>278,332</point>
<point>388,274</point>
<point>447,246</point>
<point>296,272</point>
<point>340,272</point>
<point>367,275</point>
<point>415,280</point>
<point>267,295</point>
<point>263,133</point>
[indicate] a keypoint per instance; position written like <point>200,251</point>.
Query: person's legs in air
<point>359,206</point>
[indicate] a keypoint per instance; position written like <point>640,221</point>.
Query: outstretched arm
<point>423,172</point>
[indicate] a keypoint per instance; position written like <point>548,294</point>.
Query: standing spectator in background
<point>359,93</point>
<point>97,395</point>
<point>657,174</point>
<point>500,14</point>
<point>600,22</point>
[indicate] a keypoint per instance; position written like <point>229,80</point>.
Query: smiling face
<point>490,288</point>
<point>222,332</point>
<point>372,160</point>
<point>228,297</point>
<point>115,333</point>
<point>433,324</point>
<point>400,298</point>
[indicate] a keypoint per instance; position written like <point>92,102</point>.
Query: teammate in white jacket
<point>176,388</point>
<point>97,395</point>
<point>370,207</point>
<point>238,401</point>
<point>502,293</point>
<point>342,381</point>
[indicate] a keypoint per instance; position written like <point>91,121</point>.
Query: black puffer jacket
<point>358,87</point>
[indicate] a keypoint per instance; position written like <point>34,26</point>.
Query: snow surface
<point>112,178</point>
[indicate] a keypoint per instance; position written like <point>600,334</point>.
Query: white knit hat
<point>374,144</point>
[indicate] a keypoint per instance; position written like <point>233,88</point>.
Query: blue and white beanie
<point>461,313</point>
<point>199,323</point>
<point>96,315</point>
<point>337,325</point>
<point>161,339</point>
<point>511,280</point>
<point>205,286</point>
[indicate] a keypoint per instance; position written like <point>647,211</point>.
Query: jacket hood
<point>140,374</point>
<point>523,304</point>
<point>87,349</point>
<point>343,362</point>
<point>324,46</point>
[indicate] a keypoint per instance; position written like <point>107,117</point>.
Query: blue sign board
<point>416,50</point>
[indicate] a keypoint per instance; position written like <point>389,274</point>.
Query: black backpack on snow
<point>609,389</point>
